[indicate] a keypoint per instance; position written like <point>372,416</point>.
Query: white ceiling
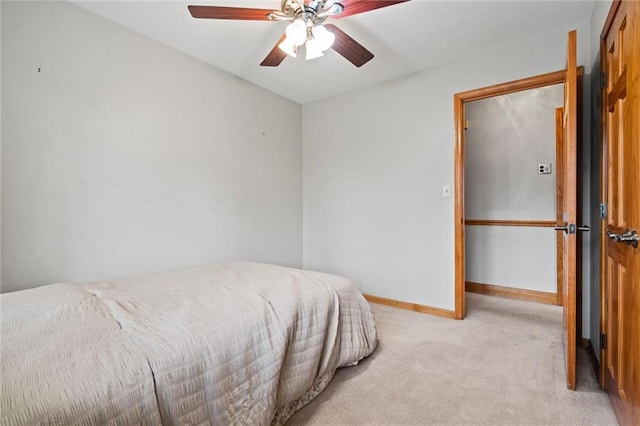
<point>405,38</point>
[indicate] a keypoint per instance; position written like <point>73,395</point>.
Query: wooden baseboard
<point>410,306</point>
<point>586,343</point>
<point>512,293</point>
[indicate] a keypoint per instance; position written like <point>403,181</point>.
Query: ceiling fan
<point>307,26</point>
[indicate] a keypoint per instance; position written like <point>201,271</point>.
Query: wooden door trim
<point>459,99</point>
<point>603,188</point>
<point>459,309</point>
<point>528,83</point>
<point>559,203</point>
<point>579,198</point>
<point>615,4</point>
<point>570,198</point>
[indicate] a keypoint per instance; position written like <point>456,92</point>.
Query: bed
<point>229,343</point>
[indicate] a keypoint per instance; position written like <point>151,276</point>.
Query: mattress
<point>230,343</point>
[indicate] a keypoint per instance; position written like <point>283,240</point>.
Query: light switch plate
<point>446,191</point>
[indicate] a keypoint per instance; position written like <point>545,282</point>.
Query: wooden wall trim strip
<point>529,223</point>
<point>410,306</point>
<point>512,293</point>
<point>586,343</point>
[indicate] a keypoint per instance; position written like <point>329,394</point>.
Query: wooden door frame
<point>459,100</point>
<point>604,169</point>
<point>559,203</point>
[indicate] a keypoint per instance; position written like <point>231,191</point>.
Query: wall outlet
<point>544,169</point>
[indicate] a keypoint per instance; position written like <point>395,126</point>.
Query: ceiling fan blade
<point>222,12</point>
<point>354,7</point>
<point>353,51</point>
<point>276,56</point>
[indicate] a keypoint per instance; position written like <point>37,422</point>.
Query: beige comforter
<point>234,343</point>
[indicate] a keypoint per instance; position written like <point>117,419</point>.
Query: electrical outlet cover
<point>544,169</point>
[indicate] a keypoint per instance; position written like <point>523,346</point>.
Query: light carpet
<point>502,365</point>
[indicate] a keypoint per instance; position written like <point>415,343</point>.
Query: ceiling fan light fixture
<point>323,37</point>
<point>297,32</point>
<point>306,26</point>
<point>313,49</point>
<point>289,47</point>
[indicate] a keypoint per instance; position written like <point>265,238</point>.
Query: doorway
<point>512,171</point>
<point>570,77</point>
<point>460,99</point>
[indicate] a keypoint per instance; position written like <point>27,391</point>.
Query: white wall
<point>598,17</point>
<point>122,156</point>
<point>517,257</point>
<point>375,161</point>
<point>507,137</point>
<point>76,187</point>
